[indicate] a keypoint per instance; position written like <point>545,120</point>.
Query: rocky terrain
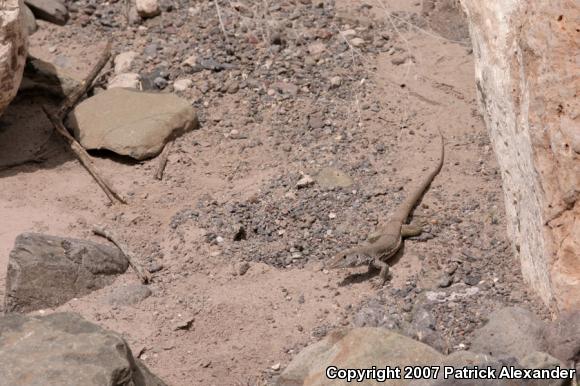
<point>316,118</point>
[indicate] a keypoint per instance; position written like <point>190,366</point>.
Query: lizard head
<point>348,259</point>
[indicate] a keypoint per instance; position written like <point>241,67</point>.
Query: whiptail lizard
<point>389,237</point>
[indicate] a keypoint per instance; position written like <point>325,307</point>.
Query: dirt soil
<point>237,248</point>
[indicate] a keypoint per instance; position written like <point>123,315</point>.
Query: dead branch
<point>83,86</point>
<point>144,275</point>
<point>219,14</point>
<point>57,118</point>
<point>163,160</point>
<point>83,156</point>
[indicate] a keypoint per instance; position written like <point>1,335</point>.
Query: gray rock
<point>423,328</point>
<point>47,271</point>
<point>356,348</point>
<point>542,360</point>
<point>445,280</point>
<point>469,360</point>
<point>539,360</point>
<point>563,337</point>
<point>160,82</point>
<point>150,50</point>
<point>63,349</point>
<point>331,178</point>
<point>132,123</point>
<point>128,295</point>
<point>510,331</point>
<point>374,314</point>
<point>53,11</point>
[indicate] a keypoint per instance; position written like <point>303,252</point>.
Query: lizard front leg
<point>384,273</point>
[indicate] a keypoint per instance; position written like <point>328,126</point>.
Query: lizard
<point>387,240</point>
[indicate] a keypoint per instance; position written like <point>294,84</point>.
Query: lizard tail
<point>413,199</point>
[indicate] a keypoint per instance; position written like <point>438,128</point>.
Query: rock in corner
<point>64,349</point>
<point>47,271</point>
<point>132,123</point>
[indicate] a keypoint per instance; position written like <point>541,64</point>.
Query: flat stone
<point>132,123</point>
<point>357,42</point>
<point>331,178</point>
<point>128,295</point>
<point>53,11</point>
<point>64,349</point>
<point>127,80</point>
<point>47,271</point>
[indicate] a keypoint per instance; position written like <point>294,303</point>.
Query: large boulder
<point>363,348</point>
<point>509,332</point>
<point>562,337</point>
<point>526,69</point>
<point>453,365</point>
<point>13,33</point>
<point>63,349</point>
<point>130,122</point>
<point>359,348</point>
<point>47,271</point>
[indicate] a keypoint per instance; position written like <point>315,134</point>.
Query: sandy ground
<point>382,130</point>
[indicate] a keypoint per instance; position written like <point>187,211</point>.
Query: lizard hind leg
<point>410,230</point>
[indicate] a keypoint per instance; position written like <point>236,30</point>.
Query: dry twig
<point>57,118</point>
<point>144,275</point>
<point>219,14</point>
<point>83,156</point>
<point>163,160</point>
<point>82,88</point>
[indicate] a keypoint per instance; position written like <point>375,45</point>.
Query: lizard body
<point>387,241</point>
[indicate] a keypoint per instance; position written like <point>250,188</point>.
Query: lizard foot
<point>379,283</point>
